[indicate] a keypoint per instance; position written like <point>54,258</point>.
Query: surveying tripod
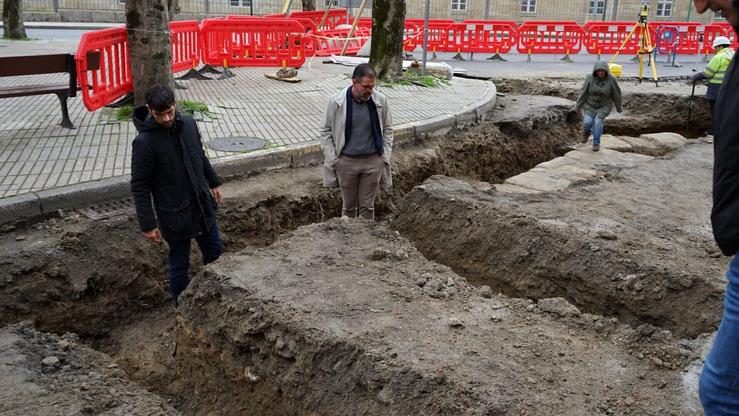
<point>644,42</point>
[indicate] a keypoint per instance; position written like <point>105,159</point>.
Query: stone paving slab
<point>36,154</point>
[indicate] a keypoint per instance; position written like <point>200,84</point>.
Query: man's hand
<point>217,194</point>
<point>153,236</point>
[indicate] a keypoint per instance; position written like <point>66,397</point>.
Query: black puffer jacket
<point>725,213</point>
<point>180,187</point>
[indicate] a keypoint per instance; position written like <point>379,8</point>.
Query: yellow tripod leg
<point>623,43</point>
<point>641,65</point>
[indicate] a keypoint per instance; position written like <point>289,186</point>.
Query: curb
<point>46,203</point>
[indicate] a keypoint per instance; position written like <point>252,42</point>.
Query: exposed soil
<point>101,280</point>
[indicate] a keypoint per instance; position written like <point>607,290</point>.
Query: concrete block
<point>404,133</point>
<point>539,181</point>
<point>84,194</point>
<point>608,157</point>
<point>608,141</point>
<point>436,126</point>
<point>466,117</point>
<point>643,145</point>
<point>254,162</point>
<point>19,207</point>
<point>667,140</point>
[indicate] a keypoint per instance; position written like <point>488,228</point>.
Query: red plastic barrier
<point>548,37</point>
<point>335,17</point>
<point>184,40</point>
<point>308,25</point>
<point>113,79</point>
<point>486,36</point>
<point>607,37</point>
<point>331,42</point>
<point>717,29</point>
<point>253,42</point>
<point>439,39</point>
<point>688,36</point>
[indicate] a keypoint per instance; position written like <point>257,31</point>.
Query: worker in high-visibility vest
<point>715,71</point>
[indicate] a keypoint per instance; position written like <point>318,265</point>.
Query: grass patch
<point>189,107</point>
<point>124,113</point>
<point>415,78</point>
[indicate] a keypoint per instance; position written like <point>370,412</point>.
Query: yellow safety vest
<point>717,67</point>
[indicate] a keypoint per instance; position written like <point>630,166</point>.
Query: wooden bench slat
<point>24,90</point>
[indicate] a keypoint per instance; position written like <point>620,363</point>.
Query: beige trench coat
<point>332,136</point>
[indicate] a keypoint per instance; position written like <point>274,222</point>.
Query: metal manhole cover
<point>107,209</point>
<point>237,144</point>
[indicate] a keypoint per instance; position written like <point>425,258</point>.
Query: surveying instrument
<point>643,41</point>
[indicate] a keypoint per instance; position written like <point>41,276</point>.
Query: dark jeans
<point>712,105</point>
<point>719,382</point>
<point>211,247</point>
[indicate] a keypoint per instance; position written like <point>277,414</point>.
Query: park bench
<point>12,66</point>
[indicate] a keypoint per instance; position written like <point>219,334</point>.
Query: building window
<point>460,5</point>
<point>528,6</point>
<point>597,7</point>
<point>664,8</point>
<point>240,3</point>
<point>333,3</point>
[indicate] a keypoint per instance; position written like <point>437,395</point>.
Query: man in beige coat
<point>357,140</point>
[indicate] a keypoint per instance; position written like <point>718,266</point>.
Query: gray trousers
<point>359,179</point>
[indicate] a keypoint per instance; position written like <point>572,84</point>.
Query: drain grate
<point>237,144</point>
<point>107,209</point>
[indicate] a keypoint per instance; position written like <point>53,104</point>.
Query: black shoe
<point>596,147</point>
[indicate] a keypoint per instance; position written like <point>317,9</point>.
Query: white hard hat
<point>721,40</point>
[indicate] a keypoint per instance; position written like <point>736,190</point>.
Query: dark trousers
<point>211,247</point>
<point>711,105</point>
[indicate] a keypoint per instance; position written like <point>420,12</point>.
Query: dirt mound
<point>607,246</point>
<point>346,317</point>
<point>49,375</point>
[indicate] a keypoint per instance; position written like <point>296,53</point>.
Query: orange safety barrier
<point>607,37</point>
<point>439,38</point>
<point>365,22</point>
<point>717,29</point>
<point>667,39</point>
<point>184,40</point>
<point>549,37</point>
<point>112,80</point>
<point>335,17</point>
<point>486,36</point>
<point>253,42</point>
<point>688,36</point>
<point>331,42</point>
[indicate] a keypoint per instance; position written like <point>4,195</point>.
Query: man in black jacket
<point>719,384</point>
<point>168,165</point>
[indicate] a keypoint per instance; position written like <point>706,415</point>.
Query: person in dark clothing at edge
<point>168,165</point>
<point>719,382</point>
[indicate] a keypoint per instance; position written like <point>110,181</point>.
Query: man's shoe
<point>596,147</point>
<point>585,137</point>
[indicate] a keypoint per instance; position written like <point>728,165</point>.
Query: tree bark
<point>13,20</point>
<point>147,24</point>
<point>309,5</point>
<point>386,53</point>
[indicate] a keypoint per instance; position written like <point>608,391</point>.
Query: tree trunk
<point>13,20</point>
<point>309,5</point>
<point>386,53</point>
<point>147,24</point>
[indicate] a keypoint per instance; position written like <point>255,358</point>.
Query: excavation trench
<point>67,276</point>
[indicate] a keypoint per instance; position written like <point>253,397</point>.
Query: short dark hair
<point>159,98</point>
<point>362,71</point>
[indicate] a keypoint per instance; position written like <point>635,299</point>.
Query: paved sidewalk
<point>41,161</point>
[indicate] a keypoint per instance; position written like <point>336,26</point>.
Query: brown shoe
<point>585,136</point>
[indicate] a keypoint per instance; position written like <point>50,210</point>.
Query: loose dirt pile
<point>45,374</point>
<point>346,317</point>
